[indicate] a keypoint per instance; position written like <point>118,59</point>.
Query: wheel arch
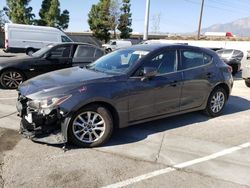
<point>224,86</point>
<point>113,112</point>
<point>14,69</point>
<point>110,108</point>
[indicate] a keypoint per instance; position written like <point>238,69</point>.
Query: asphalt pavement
<point>189,150</point>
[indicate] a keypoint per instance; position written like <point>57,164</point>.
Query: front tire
<point>108,50</point>
<point>247,82</point>
<point>216,102</point>
<point>10,79</point>
<point>90,127</point>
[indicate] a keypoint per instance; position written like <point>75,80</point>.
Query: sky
<point>176,16</point>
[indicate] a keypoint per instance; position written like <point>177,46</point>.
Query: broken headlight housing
<point>47,103</point>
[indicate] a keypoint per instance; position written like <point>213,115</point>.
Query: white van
<point>30,38</point>
<point>116,44</point>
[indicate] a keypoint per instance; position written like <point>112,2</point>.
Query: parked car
<point>30,38</point>
<point>231,57</point>
<point>116,44</point>
<point>215,49</point>
<point>126,87</point>
<point>246,73</point>
<point>52,57</point>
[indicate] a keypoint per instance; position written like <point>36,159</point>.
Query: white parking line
<point>8,98</point>
<point>178,166</point>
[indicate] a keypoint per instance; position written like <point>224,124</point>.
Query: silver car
<point>246,73</point>
<point>232,58</point>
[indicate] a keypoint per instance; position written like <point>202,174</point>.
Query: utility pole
<point>145,35</point>
<point>199,28</point>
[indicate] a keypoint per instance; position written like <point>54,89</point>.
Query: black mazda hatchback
<point>126,87</point>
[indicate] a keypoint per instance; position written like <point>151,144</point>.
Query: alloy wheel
<point>89,127</point>
<point>11,79</point>
<point>217,102</point>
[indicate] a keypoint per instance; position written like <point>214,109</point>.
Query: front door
<point>57,58</point>
<point>160,94</point>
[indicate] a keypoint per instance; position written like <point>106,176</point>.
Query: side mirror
<point>149,72</point>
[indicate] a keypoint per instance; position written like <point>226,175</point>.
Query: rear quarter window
<point>207,58</point>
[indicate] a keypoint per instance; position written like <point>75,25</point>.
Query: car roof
<point>77,43</point>
<point>148,47</point>
<point>159,46</point>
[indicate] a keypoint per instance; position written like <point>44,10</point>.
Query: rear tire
<point>90,127</point>
<point>30,51</point>
<point>216,102</point>
<point>247,82</point>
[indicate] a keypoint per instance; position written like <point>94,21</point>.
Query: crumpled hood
<point>62,80</point>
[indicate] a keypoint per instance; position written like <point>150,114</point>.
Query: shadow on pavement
<point>238,75</point>
<point>140,132</point>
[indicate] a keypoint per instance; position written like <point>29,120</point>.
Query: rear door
<point>86,54</point>
<point>198,74</point>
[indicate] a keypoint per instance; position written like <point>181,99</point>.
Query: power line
<point>215,7</point>
<point>226,4</point>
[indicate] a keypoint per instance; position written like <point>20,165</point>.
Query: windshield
<point>118,62</point>
<point>42,51</point>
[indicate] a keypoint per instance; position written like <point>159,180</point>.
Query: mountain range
<point>240,27</point>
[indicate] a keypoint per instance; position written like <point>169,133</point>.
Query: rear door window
<point>85,51</point>
<point>99,53</point>
<point>84,54</point>
<point>192,59</point>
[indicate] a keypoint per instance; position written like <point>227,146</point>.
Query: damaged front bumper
<point>46,127</point>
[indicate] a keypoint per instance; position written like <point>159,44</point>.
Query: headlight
<point>48,102</point>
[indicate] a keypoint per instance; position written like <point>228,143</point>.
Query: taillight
<point>6,43</point>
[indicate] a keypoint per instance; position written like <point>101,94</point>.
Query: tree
<point>99,20</point>
<point>3,20</point>
<point>18,11</point>
<point>63,20</point>
<point>50,15</point>
<point>43,11</point>
<point>115,13</point>
<point>125,20</point>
